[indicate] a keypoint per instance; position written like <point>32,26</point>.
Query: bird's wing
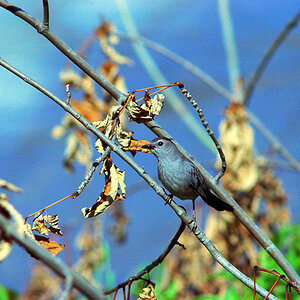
<point>202,189</point>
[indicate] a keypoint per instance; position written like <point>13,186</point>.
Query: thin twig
<point>68,286</point>
<point>68,93</point>
<point>204,77</point>
<point>154,264</point>
<point>50,205</point>
<point>280,276</point>
<point>276,145</point>
<point>161,192</point>
<point>208,130</point>
<point>54,263</point>
<point>46,13</point>
<point>266,58</point>
<point>90,173</point>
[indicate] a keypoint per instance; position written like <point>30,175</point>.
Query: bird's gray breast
<point>176,178</point>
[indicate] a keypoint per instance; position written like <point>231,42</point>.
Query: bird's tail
<point>214,201</point>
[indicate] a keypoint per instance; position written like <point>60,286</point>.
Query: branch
<point>266,58</point>
<point>46,13</point>
<point>154,185</point>
<point>204,77</point>
<point>240,214</point>
<point>208,130</point>
<point>54,263</point>
<point>154,264</point>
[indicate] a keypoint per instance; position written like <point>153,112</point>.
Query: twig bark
<point>266,58</point>
<point>154,264</point>
<point>46,13</point>
<point>54,263</point>
<point>154,185</point>
<point>208,130</point>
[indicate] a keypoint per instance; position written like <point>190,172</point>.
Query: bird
<point>181,177</point>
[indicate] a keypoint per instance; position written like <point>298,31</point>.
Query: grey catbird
<point>180,176</point>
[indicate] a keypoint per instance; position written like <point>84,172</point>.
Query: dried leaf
<point>90,110</point>
<point>148,293</point>
<point>88,86</point>
<point>157,104</point>
<point>117,178</point>
<point>5,249</point>
<point>123,137</point>
<point>147,99</point>
<point>53,247</point>
<point>113,113</point>
<point>9,186</point>
<point>98,208</point>
<point>3,197</point>
<point>136,145</point>
<point>70,77</point>
<point>28,231</point>
<point>99,146</point>
<point>39,224</point>
<point>142,114</point>
<point>103,32</point>
<point>53,222</point>
<point>237,139</point>
<point>114,178</point>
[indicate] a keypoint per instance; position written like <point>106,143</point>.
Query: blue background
<point>31,159</point>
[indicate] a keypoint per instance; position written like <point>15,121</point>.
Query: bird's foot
<point>169,199</point>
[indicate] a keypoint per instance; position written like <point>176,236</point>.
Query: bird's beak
<point>148,146</point>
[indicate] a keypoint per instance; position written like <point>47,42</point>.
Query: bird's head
<point>162,147</point>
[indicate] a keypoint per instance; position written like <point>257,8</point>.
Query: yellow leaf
<point>53,247</point>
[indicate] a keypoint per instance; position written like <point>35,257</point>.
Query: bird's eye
<point>160,143</point>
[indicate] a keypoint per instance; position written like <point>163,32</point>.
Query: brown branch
<point>154,264</point>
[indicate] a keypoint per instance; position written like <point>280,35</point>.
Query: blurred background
<point>32,159</point>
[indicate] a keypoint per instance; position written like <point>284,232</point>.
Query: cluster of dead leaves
<point>237,138</point>
<point>40,222</point>
<point>111,126</point>
<point>108,39</point>
<point>145,112</point>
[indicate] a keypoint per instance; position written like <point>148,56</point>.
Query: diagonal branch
<point>266,58</point>
<point>54,263</point>
<point>208,130</point>
<point>154,264</point>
